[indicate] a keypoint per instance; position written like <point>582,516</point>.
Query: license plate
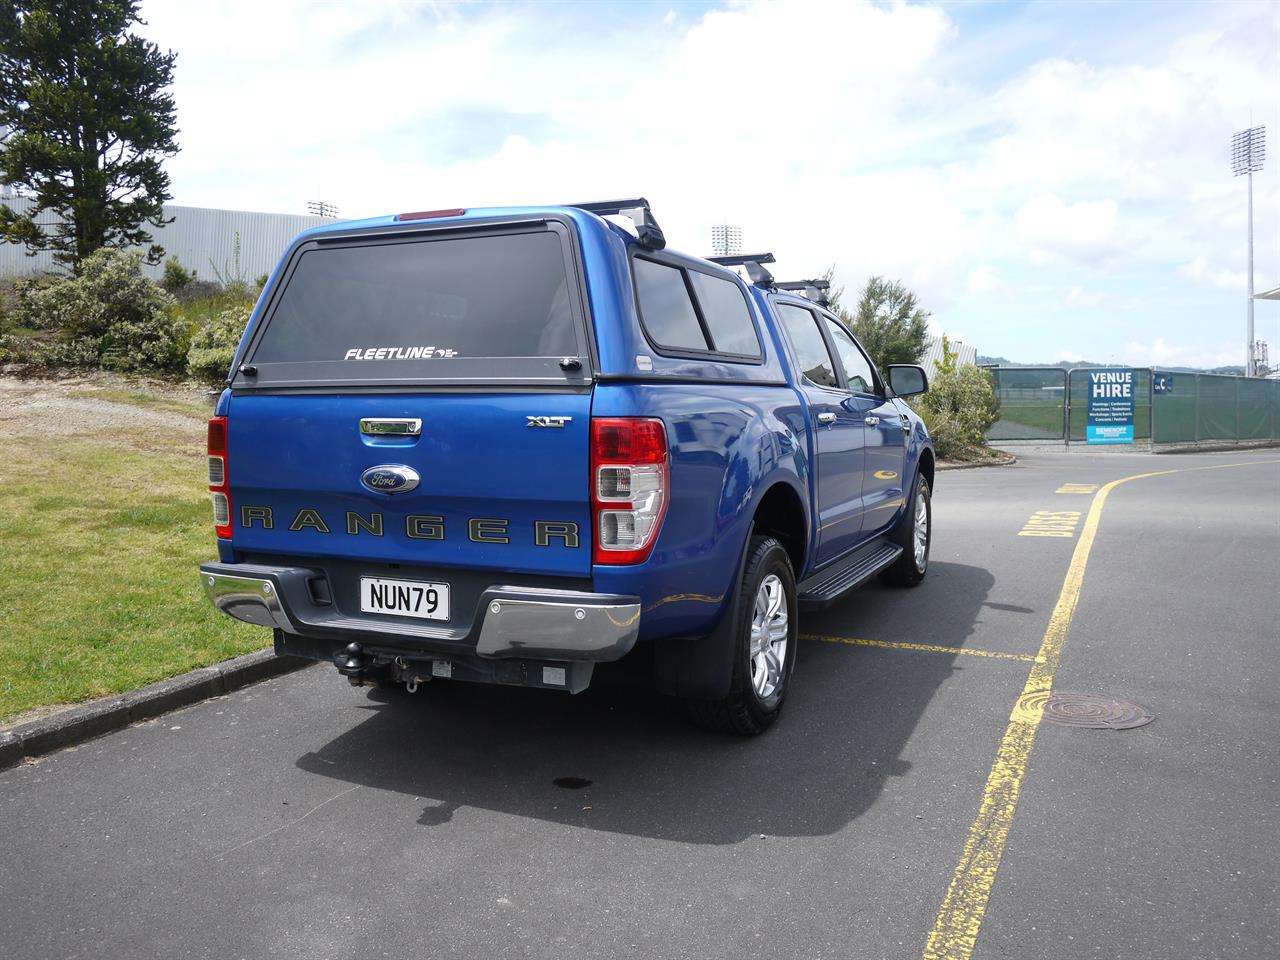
<point>405,598</point>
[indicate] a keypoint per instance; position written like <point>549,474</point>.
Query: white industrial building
<point>965,354</point>
<point>202,239</point>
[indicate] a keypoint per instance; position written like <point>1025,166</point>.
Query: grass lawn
<point>148,401</point>
<point>100,541</point>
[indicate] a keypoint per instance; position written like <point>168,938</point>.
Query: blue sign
<point>1162,383</point>
<point>1110,406</point>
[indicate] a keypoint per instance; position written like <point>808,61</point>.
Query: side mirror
<point>906,379</point>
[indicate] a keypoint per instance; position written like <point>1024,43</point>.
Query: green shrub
<point>16,348</point>
<point>107,314</point>
<point>959,407</point>
<point>213,346</point>
<point>176,276</point>
<point>19,295</point>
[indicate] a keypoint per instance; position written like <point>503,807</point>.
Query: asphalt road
<point>303,818</point>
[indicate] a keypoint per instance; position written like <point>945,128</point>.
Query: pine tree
<point>86,116</point>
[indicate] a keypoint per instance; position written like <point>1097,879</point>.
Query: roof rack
<point>815,290</point>
<point>753,262</point>
<point>637,210</point>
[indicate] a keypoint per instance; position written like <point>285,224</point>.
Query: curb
<point>976,466</point>
<point>1214,446</point>
<point>89,720</point>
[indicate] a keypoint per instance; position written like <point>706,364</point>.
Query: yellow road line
<point>925,647</point>
<point>955,931</point>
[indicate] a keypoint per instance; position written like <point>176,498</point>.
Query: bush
<point>18,293</point>
<point>15,348</point>
<point>176,276</point>
<point>959,407</point>
<point>107,314</point>
<point>214,346</point>
<point>198,290</point>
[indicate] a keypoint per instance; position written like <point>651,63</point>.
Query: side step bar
<point>827,586</point>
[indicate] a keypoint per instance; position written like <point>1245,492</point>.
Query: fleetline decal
<point>399,353</point>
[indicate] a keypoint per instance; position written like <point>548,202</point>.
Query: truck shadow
<point>620,759</point>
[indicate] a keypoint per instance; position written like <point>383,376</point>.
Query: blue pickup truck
<point>502,445</point>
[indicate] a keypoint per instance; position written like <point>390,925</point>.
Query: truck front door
<point>885,434</point>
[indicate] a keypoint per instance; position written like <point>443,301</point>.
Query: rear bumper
<point>509,621</point>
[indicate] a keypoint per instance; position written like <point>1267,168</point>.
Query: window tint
<point>725,310</point>
<point>425,302</point>
<point>856,368</point>
<point>665,308</point>
<point>811,349</point>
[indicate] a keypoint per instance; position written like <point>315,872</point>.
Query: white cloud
<point>1080,297</point>
<point>1159,353</point>
<point>983,279</point>
<point>908,150</point>
<point>1083,231</point>
<point>1201,270</point>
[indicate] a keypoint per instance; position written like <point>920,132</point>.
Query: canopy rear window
<point>477,308</point>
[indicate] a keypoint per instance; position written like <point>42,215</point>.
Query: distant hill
<point>1230,371</point>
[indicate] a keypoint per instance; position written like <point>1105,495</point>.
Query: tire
<point>910,568</point>
<point>766,609</point>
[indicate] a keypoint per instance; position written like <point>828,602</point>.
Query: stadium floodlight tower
<point>726,239</point>
<point>1248,150</point>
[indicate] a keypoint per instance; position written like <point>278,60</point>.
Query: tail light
<point>219,477</point>
<point>629,480</point>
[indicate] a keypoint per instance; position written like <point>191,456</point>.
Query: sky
<point>1052,180</point>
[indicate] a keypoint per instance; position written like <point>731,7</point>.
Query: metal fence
<point>1050,403</point>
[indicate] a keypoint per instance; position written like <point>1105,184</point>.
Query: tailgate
<point>493,492</point>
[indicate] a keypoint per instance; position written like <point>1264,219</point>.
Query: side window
<point>856,368</point>
<point>665,308</point>
<point>728,319</point>
<point>811,349</point>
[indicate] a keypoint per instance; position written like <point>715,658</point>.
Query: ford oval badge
<point>390,478</point>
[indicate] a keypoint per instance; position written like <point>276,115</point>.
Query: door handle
<point>872,421</point>
<point>826,417</point>
<point>391,426</point>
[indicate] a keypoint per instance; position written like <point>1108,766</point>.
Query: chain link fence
<point>1051,404</point>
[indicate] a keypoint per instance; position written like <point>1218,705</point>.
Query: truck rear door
<point>839,434</point>
<point>420,397</point>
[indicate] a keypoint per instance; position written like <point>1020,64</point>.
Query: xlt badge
<point>548,421</point>
<point>390,478</point>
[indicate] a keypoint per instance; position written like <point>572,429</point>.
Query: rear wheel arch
<point>781,515</point>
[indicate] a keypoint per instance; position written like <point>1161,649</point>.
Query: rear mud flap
<point>701,668</point>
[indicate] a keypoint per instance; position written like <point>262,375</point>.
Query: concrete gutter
<point>975,464</point>
<point>86,721</point>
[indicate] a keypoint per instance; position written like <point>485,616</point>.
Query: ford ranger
<point>503,445</point>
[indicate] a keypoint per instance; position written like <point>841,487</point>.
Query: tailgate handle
<point>391,426</point>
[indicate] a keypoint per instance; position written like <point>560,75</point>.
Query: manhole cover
<point>1070,708</point>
